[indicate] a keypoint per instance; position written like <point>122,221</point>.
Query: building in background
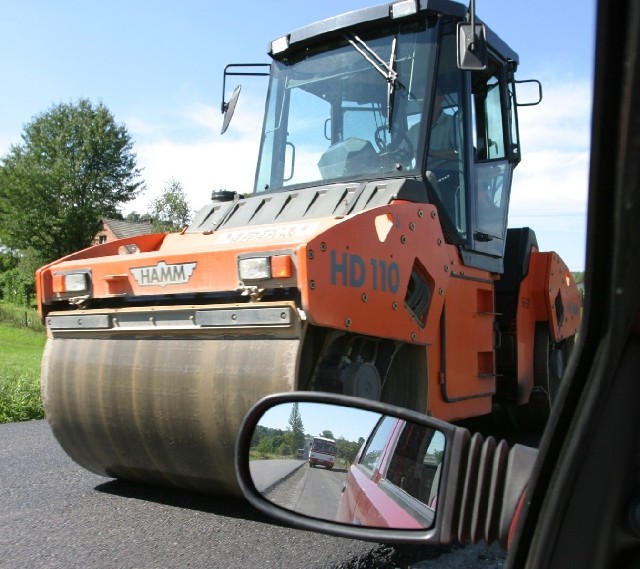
<point>113,229</point>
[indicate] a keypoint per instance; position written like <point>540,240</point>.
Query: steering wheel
<point>381,143</point>
<point>400,148</point>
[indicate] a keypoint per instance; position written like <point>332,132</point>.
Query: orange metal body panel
<point>354,276</point>
<point>214,255</point>
<point>45,275</point>
<point>548,279</point>
<point>462,375</point>
<point>555,295</point>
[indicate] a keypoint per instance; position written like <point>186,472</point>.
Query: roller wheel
<point>406,384</point>
<point>549,364</point>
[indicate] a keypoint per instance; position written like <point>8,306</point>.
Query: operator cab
<point>378,94</point>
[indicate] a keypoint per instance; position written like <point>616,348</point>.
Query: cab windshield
<point>344,113</point>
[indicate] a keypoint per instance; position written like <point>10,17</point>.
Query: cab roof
<point>311,33</point>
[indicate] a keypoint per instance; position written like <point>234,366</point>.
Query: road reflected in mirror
<point>348,465</point>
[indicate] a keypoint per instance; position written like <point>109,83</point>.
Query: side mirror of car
<point>378,472</point>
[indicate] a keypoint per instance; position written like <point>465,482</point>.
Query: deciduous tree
<point>170,211</point>
<point>74,166</point>
<point>297,428</point>
<point>327,434</point>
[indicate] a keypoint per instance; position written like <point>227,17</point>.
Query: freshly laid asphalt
<point>55,514</point>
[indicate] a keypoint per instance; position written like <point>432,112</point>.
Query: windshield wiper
<point>387,70</point>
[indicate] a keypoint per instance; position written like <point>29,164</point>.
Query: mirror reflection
<point>348,465</point>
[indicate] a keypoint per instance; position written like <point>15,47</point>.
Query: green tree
<point>17,285</point>
<point>136,217</point>
<point>17,269</point>
<point>296,434</point>
<point>347,450</point>
<point>74,166</point>
<point>264,447</point>
<point>170,212</point>
<point>327,434</point>
<point>8,259</point>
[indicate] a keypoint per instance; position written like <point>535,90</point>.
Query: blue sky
<point>158,67</point>
<point>346,422</point>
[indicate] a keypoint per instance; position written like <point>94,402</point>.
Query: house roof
<point>123,229</point>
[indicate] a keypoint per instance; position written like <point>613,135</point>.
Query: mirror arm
<point>472,9</point>
<point>227,108</point>
<point>226,72</point>
<point>486,495</point>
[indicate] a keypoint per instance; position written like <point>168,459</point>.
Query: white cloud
<point>551,181</point>
<point>206,163</point>
<point>200,168</point>
<point>562,119</point>
<point>206,116</point>
<point>550,185</point>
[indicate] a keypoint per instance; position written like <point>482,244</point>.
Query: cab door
<point>494,154</point>
<point>470,164</point>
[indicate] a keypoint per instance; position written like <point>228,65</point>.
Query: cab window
<point>445,144</point>
<point>491,160</point>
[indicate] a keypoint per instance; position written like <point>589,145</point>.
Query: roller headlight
<point>265,267</point>
<point>254,268</point>
<point>73,282</point>
<point>76,282</point>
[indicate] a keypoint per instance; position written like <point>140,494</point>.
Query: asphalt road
<point>313,492</point>
<point>268,473</point>
<point>55,514</point>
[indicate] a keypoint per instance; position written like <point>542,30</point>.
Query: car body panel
<point>374,495</point>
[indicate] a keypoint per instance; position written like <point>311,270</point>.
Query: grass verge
<point>20,355</point>
<point>21,317</point>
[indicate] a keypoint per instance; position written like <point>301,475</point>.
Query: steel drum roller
<point>162,411</point>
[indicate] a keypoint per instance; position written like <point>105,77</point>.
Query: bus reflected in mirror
<point>348,465</point>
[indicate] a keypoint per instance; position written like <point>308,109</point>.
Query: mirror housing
<point>229,108</point>
<point>472,46</point>
<point>481,488</point>
<point>472,50</point>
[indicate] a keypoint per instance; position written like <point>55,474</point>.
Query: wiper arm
<point>391,87</point>
<point>387,70</point>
